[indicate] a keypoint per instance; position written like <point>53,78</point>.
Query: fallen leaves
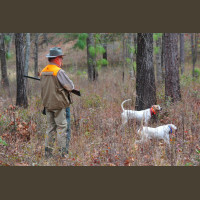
<point>12,107</point>
<point>21,164</point>
<point>127,162</point>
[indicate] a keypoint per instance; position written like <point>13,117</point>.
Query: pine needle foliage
<point>7,39</point>
<point>82,41</point>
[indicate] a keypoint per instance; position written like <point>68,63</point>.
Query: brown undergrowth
<point>97,137</point>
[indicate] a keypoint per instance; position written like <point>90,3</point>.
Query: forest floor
<point>97,137</point>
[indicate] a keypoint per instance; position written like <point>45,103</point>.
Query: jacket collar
<point>51,63</point>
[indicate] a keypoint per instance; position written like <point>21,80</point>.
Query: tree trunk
<point>36,55</point>
<point>123,55</point>
<point>91,59</point>
<point>145,78</point>
<point>163,57</point>
<point>9,43</point>
<point>135,42</point>
<point>172,84</point>
<point>158,60</point>
<point>194,50</point>
<point>182,53</point>
<point>45,40</point>
<point>21,99</point>
<point>4,76</point>
<point>105,55</point>
<point>27,55</point>
<point>130,54</point>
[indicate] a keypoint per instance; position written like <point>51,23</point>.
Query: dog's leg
<point>146,122</point>
<point>124,120</point>
<point>166,140</point>
<point>141,137</point>
<point>137,142</point>
<point>144,138</point>
<point>168,147</point>
<point>122,127</point>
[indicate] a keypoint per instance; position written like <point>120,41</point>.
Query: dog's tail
<point>123,103</point>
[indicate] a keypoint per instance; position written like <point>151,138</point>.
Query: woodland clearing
<point>96,135</point>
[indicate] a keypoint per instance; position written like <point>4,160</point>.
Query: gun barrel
<point>32,77</point>
<point>76,92</point>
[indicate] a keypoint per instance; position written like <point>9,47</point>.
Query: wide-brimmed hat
<point>55,52</point>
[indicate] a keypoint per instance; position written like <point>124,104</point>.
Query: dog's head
<point>157,108</point>
<point>154,109</point>
<point>172,126</point>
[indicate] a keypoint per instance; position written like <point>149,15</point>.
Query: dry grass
<point>97,136</point>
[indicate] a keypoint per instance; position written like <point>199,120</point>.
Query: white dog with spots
<point>144,115</point>
<point>161,132</point>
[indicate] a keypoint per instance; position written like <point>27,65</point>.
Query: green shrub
<point>188,164</point>
<point>186,80</point>
<point>7,39</point>
<point>92,101</point>
<point>8,55</point>
<point>71,36</point>
<point>134,66</point>
<point>101,62</point>
<point>100,49</point>
<point>83,36</point>
<point>3,142</point>
<point>197,72</point>
<point>92,51</point>
<point>156,50</point>
<point>81,43</point>
<point>81,73</point>
<point>128,60</point>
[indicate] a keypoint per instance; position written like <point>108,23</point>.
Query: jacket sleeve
<point>64,80</point>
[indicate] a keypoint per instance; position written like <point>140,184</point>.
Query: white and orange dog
<point>144,115</point>
<point>161,132</point>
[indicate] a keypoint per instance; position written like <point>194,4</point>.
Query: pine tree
<point>145,78</point>
<point>182,53</point>
<point>36,54</point>
<point>4,76</point>
<point>27,55</point>
<point>172,84</point>
<point>21,99</point>
<point>91,58</point>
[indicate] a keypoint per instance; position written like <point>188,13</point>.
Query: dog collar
<point>152,111</point>
<point>170,129</point>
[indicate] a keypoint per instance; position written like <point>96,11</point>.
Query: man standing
<point>55,91</point>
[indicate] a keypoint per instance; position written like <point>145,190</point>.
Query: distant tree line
<point>139,52</point>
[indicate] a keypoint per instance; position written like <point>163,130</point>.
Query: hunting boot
<point>48,152</point>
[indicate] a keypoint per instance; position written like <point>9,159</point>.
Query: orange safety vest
<point>54,96</point>
<point>51,68</point>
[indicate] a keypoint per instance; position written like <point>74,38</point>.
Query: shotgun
<point>76,92</point>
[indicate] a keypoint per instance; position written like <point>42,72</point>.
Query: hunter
<point>55,92</point>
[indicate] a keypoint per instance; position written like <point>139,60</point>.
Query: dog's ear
<point>173,126</point>
<point>153,107</point>
<point>156,107</point>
